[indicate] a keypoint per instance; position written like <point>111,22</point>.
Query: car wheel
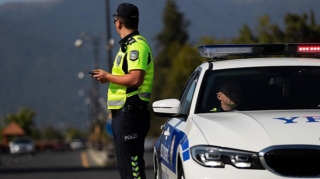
<point>180,171</point>
<point>156,170</point>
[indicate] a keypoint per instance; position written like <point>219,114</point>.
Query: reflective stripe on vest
<point>116,93</point>
<point>214,110</point>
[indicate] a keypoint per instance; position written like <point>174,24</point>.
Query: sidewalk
<point>104,157</point>
<point>99,157</point>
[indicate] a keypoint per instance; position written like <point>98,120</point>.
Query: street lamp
<point>95,92</point>
<point>84,36</point>
<point>95,100</point>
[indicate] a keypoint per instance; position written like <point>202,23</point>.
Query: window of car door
<point>187,95</point>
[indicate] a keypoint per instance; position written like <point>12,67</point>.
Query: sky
<point>5,1</point>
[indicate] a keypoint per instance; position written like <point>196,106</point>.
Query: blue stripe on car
<point>186,155</point>
<point>185,146</point>
<point>180,139</point>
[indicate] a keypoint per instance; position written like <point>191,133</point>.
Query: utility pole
<point>109,40</point>
<point>109,46</point>
<point>95,90</point>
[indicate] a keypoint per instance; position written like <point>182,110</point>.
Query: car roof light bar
<point>221,51</point>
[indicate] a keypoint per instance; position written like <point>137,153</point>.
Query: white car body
<point>77,144</point>
<point>22,145</point>
<point>258,134</point>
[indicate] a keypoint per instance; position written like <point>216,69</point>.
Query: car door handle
<point>166,133</point>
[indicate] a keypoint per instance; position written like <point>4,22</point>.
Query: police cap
<point>127,10</point>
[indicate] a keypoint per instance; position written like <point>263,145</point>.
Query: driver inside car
<point>229,95</point>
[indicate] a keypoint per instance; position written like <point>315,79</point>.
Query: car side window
<point>187,95</point>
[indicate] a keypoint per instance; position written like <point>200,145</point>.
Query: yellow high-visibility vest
<point>138,56</point>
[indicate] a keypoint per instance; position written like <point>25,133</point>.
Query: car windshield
<point>22,141</point>
<point>265,88</point>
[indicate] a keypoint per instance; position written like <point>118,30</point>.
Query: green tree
<point>301,28</point>
<point>50,133</point>
<point>170,41</point>
<point>174,26</point>
<point>24,118</point>
<point>245,36</point>
<point>297,29</point>
<point>74,133</point>
<point>185,62</point>
<point>36,134</point>
<point>172,37</point>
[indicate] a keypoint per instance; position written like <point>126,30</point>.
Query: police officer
<point>229,95</point>
<point>129,92</point>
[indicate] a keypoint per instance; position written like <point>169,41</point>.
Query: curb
<point>99,157</point>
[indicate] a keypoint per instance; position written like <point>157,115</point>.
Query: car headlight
<point>16,147</point>
<point>218,157</point>
<point>29,147</point>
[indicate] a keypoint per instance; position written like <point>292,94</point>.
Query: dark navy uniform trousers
<point>130,127</point>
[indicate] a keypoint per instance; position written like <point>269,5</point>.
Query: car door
<point>173,133</point>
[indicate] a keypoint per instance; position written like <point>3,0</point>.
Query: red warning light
<point>309,48</point>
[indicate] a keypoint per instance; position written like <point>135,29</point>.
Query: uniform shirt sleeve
<point>137,57</point>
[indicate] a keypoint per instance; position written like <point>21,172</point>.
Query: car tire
<point>180,171</point>
<point>156,170</point>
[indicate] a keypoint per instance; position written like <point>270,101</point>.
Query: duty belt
<point>130,108</point>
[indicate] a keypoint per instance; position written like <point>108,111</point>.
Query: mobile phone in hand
<point>91,73</point>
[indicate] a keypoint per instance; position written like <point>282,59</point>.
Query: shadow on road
<point>57,169</point>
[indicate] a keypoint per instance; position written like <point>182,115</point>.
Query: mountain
<point>39,63</point>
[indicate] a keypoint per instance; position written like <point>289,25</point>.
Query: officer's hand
<point>101,76</point>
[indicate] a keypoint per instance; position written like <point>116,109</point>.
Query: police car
<point>274,135</point>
